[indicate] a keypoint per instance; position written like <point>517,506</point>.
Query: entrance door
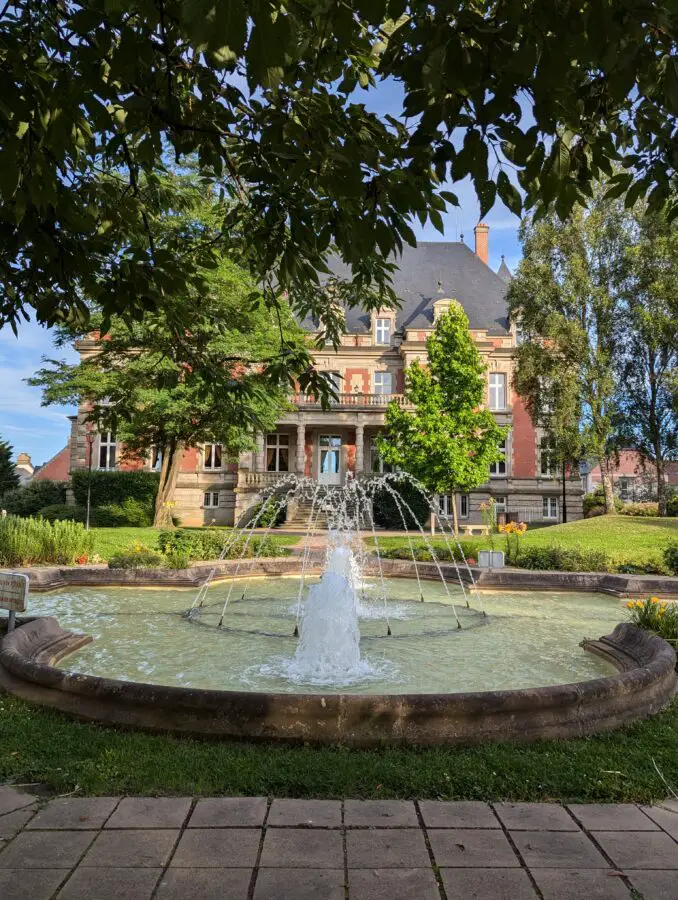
<point>329,470</point>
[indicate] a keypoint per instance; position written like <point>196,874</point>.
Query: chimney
<point>481,232</point>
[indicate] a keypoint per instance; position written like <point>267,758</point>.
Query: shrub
<point>270,513</point>
<point>556,558</point>
<point>671,557</point>
<point>29,500</point>
<point>387,514</point>
<point>136,556</point>
<point>208,543</point>
<point>422,552</point>
<point>672,505</point>
<point>652,566</point>
<point>130,514</point>
<point>177,559</point>
<point>113,488</point>
<point>60,512</point>
<point>646,510</point>
<point>27,542</point>
<point>594,503</point>
<point>656,616</point>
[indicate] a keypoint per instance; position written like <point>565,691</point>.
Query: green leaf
<point>509,194</point>
<point>487,192</point>
<point>436,220</point>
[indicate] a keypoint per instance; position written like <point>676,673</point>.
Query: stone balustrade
<point>359,400</point>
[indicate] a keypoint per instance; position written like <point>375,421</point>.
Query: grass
<point>108,541</point>
<point>45,747</point>
<point>625,538</point>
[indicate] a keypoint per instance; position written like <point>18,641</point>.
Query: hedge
<point>29,500</point>
<point>129,514</point>
<point>115,487</point>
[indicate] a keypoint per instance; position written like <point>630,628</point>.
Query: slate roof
<point>434,270</point>
<point>504,272</point>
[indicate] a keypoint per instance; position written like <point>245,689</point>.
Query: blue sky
<point>43,431</point>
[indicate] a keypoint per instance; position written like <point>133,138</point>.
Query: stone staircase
<point>299,516</point>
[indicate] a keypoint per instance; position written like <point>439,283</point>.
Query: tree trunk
<point>455,517</point>
<point>610,508</point>
<point>564,492</point>
<point>661,487</point>
<point>169,474</point>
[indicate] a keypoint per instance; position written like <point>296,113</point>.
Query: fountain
<point>335,644</point>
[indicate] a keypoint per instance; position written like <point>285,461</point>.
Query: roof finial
<point>462,237</point>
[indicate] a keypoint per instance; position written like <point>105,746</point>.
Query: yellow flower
<point>630,605</point>
<point>654,599</point>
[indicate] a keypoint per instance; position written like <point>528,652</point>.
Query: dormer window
<point>382,331</point>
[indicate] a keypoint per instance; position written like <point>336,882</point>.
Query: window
<point>382,383</point>
<point>625,488</point>
<point>500,504</point>
<point>156,459</point>
<point>335,380</point>
<point>211,499</point>
<point>497,469</point>
<point>497,390</point>
<point>547,456</point>
<point>382,331</point>
<point>550,509</point>
<point>107,447</point>
<point>445,504</point>
<point>463,506</point>
<point>212,456</point>
<point>277,452</point>
<point>378,464</point>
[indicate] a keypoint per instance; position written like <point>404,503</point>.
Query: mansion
<point>367,369</point>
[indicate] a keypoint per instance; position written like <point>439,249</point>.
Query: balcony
<point>352,401</point>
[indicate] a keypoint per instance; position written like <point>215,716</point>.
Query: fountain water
<point>327,613</point>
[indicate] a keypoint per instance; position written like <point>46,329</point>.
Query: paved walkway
<point>138,848</point>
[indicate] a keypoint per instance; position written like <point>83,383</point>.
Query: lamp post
<point>90,443</point>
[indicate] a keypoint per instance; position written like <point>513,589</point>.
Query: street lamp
<point>89,437</point>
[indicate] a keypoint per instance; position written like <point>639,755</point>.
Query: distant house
<point>57,468</point>
<point>24,468</point>
<point>633,477</point>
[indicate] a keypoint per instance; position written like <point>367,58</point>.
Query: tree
<point>163,391</point>
<point>448,440</point>
<point>273,99</point>
<point>9,480</point>
<point>566,300</point>
<point>648,412</point>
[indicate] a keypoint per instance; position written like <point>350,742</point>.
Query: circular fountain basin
<point>519,675</point>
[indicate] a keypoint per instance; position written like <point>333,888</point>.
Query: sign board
<point>491,559</point>
<point>13,591</point>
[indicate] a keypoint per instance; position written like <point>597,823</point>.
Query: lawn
<point>623,537</point>
<point>108,541</point>
<point>45,747</point>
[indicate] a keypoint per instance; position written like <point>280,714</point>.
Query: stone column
<point>259,455</point>
<point>300,456</point>
<point>359,448</point>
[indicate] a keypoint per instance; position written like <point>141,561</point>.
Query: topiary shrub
<point>113,488</point>
<point>29,500</point>
<point>136,556</point>
<point>386,512</point>
<point>644,510</point>
<point>671,557</point>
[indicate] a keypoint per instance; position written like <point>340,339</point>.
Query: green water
<point>528,639</point>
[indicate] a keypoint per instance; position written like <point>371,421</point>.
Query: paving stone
<point>15,821</point>
<point>150,812</point>
<point>131,849</point>
<point>30,884</point>
<point>612,817</point>
<point>308,813</point>
<point>480,884</point>
<point>46,849</point>
<point>214,848</point>
<point>593,884</point>
<point>387,848</point>
<point>305,848</point>
<point>380,813</point>
<point>300,884</point>
<point>75,812</point>
<point>471,848</point>
<point>638,849</point>
<point>535,817</point>
<point>457,814</point>
<point>110,884</point>
<point>11,799</point>
<point>655,885</point>
<point>665,815</point>
<point>228,812</point>
<point>393,884</point>
<point>558,850</point>
<point>204,884</point>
